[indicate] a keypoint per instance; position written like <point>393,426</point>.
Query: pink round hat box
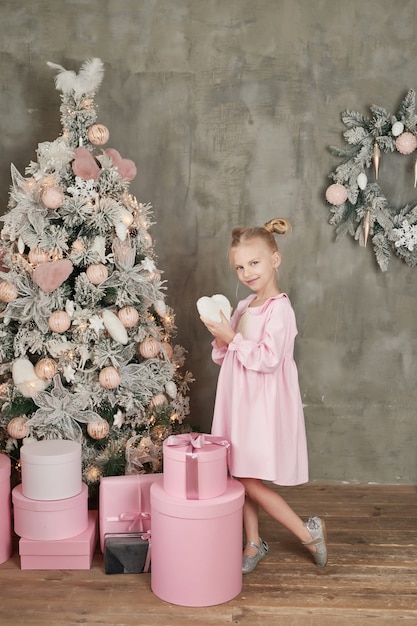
<point>51,469</point>
<point>50,520</point>
<point>6,547</point>
<point>197,547</point>
<point>212,469</point>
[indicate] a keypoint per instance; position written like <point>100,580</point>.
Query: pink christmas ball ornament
<point>406,143</point>
<point>52,197</point>
<point>336,194</point>
<point>98,134</point>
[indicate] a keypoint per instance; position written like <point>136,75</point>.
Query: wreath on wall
<point>358,206</point>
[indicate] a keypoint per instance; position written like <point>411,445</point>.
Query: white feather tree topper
<point>87,80</point>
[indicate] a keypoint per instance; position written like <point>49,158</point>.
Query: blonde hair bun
<point>279,225</point>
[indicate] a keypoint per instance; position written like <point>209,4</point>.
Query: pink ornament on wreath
<point>406,143</point>
<point>336,194</point>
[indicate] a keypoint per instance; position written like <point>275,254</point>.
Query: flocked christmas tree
<point>86,335</point>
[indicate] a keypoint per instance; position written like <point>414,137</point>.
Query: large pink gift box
<point>195,466</point>
<point>124,504</point>
<point>73,553</point>
<point>51,469</point>
<point>50,520</point>
<point>197,547</point>
<point>6,546</point>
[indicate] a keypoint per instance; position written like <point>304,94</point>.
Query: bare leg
<point>259,494</point>
<point>251,525</point>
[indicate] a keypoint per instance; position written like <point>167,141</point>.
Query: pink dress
<point>258,403</point>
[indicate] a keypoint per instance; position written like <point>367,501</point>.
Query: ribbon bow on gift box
<point>194,442</point>
<point>135,517</point>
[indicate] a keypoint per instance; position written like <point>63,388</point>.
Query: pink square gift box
<point>196,549</point>
<point>125,504</point>
<point>6,546</point>
<point>73,553</point>
<point>50,520</point>
<point>195,466</point>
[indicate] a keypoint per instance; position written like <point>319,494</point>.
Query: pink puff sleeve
<point>218,352</point>
<point>276,339</point>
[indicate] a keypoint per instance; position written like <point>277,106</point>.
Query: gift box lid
<point>176,446</point>
<point>43,506</point>
<point>223,505</point>
<point>80,544</point>
<point>51,452</point>
<point>5,467</point>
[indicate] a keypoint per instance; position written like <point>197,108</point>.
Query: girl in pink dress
<point>258,403</point>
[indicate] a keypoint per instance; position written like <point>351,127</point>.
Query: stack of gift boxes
<point>183,526</point>
<point>187,520</point>
<point>50,508</point>
<point>196,515</point>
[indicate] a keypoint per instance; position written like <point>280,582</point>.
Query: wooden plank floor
<point>371,577</point>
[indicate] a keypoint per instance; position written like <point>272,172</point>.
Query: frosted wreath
<point>358,205</point>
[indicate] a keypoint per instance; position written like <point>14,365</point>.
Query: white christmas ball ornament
<point>397,128</point>
<point>129,316</point>
<point>97,273</point>
<point>336,194</point>
<point>52,197</point>
<point>17,428</point>
<point>8,291</point>
<point>109,378</point>
<point>114,327</point>
<point>406,143</point>
<point>59,321</point>
<point>362,180</point>
<point>98,430</point>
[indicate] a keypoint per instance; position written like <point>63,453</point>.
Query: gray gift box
<point>126,553</point>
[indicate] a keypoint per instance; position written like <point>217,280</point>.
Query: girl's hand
<point>222,331</point>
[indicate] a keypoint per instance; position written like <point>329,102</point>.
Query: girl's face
<point>255,265</point>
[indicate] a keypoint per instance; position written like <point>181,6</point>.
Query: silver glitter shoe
<point>317,529</point>
<point>250,562</point>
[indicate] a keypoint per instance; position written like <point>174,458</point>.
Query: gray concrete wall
<point>228,108</point>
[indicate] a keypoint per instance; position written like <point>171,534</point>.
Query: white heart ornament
<point>210,308</point>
